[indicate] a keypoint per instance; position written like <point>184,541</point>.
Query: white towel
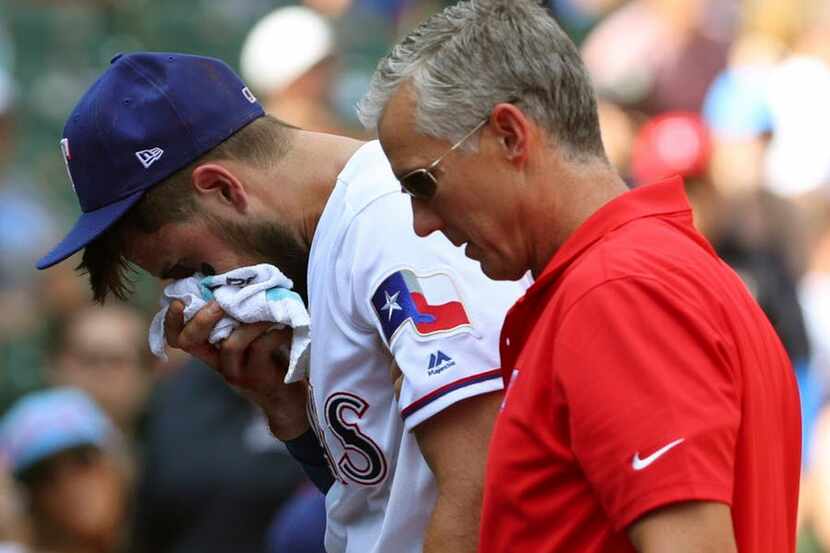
<point>247,295</point>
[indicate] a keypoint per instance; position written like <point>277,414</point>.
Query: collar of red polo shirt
<point>664,197</point>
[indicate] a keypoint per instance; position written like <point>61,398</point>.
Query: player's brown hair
<point>261,143</point>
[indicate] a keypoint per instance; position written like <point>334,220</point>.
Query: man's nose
<point>425,220</point>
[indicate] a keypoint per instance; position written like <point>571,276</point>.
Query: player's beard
<point>271,243</point>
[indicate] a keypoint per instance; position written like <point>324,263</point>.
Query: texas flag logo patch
<point>431,304</point>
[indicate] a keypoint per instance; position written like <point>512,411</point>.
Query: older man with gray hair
<point>650,407</point>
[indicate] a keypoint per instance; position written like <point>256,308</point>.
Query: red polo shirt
<point>641,373</point>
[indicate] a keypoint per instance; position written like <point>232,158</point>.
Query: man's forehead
<point>397,122</point>
<point>403,143</point>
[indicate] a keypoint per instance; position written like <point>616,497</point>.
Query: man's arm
<point>690,527</point>
<point>454,443</point>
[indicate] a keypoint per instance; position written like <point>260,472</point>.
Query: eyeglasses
<point>422,183</point>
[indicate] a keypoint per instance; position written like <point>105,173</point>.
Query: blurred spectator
<point>678,143</point>
<point>814,293</point>
<point>213,476</point>
<point>391,10</point>
<point>578,17</point>
<point>671,143</point>
<point>331,8</point>
<point>737,111</point>
<point>103,351</point>
<point>736,103</point>
<point>660,55</point>
<point>288,59</point>
<point>783,21</point>
<point>300,526</point>
<point>815,286</point>
<point>816,493</point>
<point>26,227</point>
<point>14,525</point>
<point>63,293</point>
<point>68,456</point>
<point>798,160</point>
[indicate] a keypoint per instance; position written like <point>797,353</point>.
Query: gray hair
<point>471,56</point>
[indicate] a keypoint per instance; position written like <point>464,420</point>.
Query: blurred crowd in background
<point>106,449</point>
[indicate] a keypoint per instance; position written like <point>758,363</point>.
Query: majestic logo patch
<point>149,157</point>
<point>439,362</point>
<point>67,155</point>
<point>431,304</point>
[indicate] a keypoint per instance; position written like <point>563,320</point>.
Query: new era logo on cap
<point>149,157</point>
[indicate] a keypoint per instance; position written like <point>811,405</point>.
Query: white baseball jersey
<point>381,295</point>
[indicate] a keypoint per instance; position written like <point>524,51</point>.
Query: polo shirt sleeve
<point>653,403</point>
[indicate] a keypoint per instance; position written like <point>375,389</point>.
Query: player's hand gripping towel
<point>260,293</point>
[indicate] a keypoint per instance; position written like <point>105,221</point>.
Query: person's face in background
<point>104,354</point>
<point>78,500</point>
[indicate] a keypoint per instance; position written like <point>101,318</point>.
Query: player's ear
<point>512,130</point>
<point>215,182</point>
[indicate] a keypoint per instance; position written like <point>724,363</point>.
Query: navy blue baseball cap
<point>149,115</point>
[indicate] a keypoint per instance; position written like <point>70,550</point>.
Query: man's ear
<point>214,181</point>
<point>513,130</point>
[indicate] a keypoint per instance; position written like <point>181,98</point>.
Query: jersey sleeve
<point>654,406</point>
<point>433,308</point>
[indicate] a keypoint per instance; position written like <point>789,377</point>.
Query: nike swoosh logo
<point>640,464</point>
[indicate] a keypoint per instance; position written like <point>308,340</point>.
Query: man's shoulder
<point>610,259</point>
<point>366,177</point>
<point>353,209</point>
<point>376,222</point>
<point>648,249</point>
<point>669,263</point>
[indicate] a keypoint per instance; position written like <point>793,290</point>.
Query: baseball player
<point>178,170</point>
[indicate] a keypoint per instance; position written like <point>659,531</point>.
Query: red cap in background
<point>675,143</point>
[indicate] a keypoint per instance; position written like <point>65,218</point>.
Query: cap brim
<point>53,443</point>
<point>89,227</point>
